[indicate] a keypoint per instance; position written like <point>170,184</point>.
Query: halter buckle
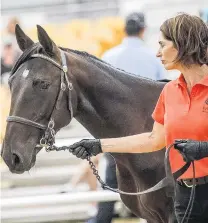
<point>65,69</point>
<point>51,124</point>
<point>70,86</point>
<point>187,185</point>
<point>63,86</point>
<point>43,142</point>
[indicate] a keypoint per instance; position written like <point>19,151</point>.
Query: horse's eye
<point>41,84</point>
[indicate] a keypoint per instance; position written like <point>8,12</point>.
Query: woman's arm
<point>140,143</point>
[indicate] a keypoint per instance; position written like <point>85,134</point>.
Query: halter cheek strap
<point>48,138</point>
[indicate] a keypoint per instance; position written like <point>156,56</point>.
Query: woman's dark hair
<point>189,35</point>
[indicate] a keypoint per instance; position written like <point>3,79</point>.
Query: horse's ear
<point>23,40</point>
<point>47,43</point>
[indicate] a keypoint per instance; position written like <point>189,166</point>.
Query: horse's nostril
<point>16,159</point>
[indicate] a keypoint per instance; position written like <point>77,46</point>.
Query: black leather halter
<point>48,139</point>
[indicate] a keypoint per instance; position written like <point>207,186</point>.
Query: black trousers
<point>106,209</point>
<point>199,212</point>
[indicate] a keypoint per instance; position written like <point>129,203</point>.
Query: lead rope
<point>192,195</point>
<point>169,180</point>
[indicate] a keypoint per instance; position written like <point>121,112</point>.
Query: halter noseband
<point>48,139</point>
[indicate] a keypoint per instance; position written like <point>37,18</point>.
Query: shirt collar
<point>180,81</point>
<point>132,41</point>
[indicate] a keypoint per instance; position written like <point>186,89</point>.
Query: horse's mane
<point>102,64</point>
<point>37,48</point>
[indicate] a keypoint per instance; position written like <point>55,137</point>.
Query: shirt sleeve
<point>159,111</point>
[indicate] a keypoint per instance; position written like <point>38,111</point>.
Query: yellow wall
<point>92,36</point>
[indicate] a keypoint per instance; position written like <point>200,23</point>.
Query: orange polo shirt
<point>184,116</point>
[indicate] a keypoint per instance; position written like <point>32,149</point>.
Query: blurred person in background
<point>84,175</point>
<point>204,15</point>
<point>132,56</point>
<point>7,61</point>
<point>10,50</point>
<point>10,35</point>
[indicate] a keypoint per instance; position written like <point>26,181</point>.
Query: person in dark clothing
<point>7,62</point>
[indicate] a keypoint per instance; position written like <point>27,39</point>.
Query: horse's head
<point>41,100</point>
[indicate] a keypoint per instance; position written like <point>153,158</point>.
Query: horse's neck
<point>112,104</point>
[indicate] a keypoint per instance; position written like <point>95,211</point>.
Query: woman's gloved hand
<point>191,150</point>
<point>86,147</point>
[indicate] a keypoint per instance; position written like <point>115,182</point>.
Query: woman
<point>181,113</point>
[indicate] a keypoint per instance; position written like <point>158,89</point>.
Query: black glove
<point>191,150</point>
<point>85,147</point>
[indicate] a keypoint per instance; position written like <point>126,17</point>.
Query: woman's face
<point>167,53</point>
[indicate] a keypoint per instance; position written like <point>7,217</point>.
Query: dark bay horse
<point>107,101</point>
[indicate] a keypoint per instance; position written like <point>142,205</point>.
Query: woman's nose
<point>158,54</point>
